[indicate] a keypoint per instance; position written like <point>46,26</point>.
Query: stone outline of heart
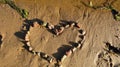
<point>49,58</point>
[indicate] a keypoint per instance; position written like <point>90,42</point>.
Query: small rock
<point>35,24</point>
<point>69,52</point>
<point>28,32</point>
<point>56,31</point>
<point>27,37</point>
<point>30,48</point>
<point>35,53</point>
<point>61,30</point>
<point>28,44</point>
<point>82,32</point>
<point>79,45</point>
<point>77,25</point>
<point>44,24</point>
<point>67,26</point>
<point>72,24</point>
<point>73,49</point>
<point>50,59</point>
<point>117,17</point>
<point>50,27</point>
<point>63,58</point>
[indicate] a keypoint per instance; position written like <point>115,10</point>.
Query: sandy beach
<point>99,24</point>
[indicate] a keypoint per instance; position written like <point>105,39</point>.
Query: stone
<point>38,54</point>
<point>63,58</point>
<point>30,48</point>
<point>67,26</point>
<point>35,24</point>
<point>82,32</point>
<point>27,37</point>
<point>74,49</point>
<point>50,27</point>
<point>50,59</point>
<point>44,24</point>
<point>79,45</point>
<point>72,24</point>
<point>61,30</point>
<point>69,52</point>
<point>28,43</point>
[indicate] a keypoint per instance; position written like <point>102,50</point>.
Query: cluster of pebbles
<point>57,30</point>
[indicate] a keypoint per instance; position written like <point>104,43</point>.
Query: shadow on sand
<point>61,51</point>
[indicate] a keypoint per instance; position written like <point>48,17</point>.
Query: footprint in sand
<point>103,59</point>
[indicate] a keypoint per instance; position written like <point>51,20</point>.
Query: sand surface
<point>99,24</point>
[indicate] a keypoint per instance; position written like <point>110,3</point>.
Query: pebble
<point>44,24</point>
<point>82,32</point>
<point>50,59</point>
<point>72,24</point>
<point>74,49</point>
<point>77,25</point>
<point>27,37</point>
<point>28,44</point>
<point>34,53</point>
<point>30,48</point>
<point>79,45</point>
<point>63,58</point>
<point>61,30</point>
<point>69,52</point>
<point>28,32</point>
<point>35,24</point>
<point>67,26</point>
<point>50,27</point>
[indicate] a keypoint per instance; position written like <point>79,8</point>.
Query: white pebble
<point>83,33</point>
<point>28,44</point>
<point>63,58</point>
<point>67,26</point>
<point>74,49</point>
<point>30,49</point>
<point>28,32</point>
<point>38,54</point>
<point>79,45</point>
<point>27,37</point>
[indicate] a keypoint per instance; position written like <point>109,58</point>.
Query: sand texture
<point>99,24</point>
